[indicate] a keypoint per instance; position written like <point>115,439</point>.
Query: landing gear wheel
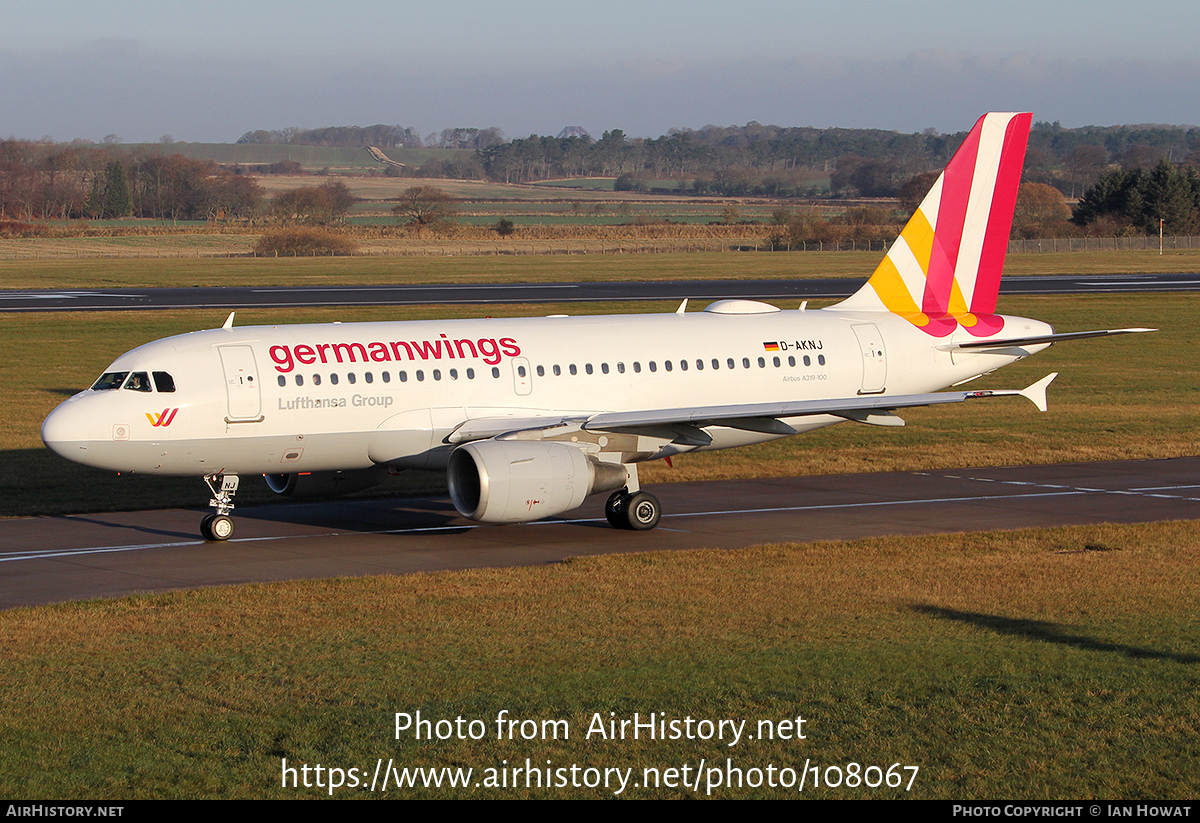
<point>221,527</point>
<point>614,510</point>
<point>217,527</point>
<point>642,511</point>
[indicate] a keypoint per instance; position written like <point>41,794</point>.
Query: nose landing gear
<point>219,526</point>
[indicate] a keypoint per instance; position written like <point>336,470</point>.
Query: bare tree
<point>425,207</point>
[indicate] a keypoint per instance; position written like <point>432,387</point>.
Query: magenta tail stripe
<point>995,241</point>
<point>952,215</point>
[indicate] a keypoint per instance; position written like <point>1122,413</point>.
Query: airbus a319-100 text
<point>529,416</point>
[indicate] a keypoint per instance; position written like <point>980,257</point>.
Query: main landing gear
<point>639,511</point>
<point>219,526</point>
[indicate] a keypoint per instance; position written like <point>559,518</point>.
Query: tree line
<point>49,181</point>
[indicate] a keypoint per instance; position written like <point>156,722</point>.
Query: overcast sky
<point>210,70</point>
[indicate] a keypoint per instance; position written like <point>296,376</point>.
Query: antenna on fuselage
<point>682,307</point>
<point>229,321</point>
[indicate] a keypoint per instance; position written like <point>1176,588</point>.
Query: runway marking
<point>1054,490</point>
<point>404,288</point>
<point>70,295</point>
<point>1138,492</point>
<point>55,553</point>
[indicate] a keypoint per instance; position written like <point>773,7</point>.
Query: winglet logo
<point>163,419</point>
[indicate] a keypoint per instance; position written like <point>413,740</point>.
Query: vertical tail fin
<point>944,269</point>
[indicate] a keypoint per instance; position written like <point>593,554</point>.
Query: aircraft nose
<point>66,430</point>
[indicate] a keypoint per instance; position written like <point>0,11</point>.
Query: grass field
<point>174,263</point>
<point>1037,664</point>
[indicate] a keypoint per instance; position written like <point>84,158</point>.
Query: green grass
<point>67,271</point>
<point>586,183</point>
<point>1040,664</point>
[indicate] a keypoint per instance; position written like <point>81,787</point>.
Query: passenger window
<point>683,365</point>
<point>762,364</point>
<point>620,368</point>
<point>775,360</point>
<point>299,380</point>
<point>403,377</point>
<point>557,370</point>
<point>282,380</point>
<point>667,365</point>
<point>350,377</point>
<point>138,381</point>
<point>437,374</point>
<point>729,362</point>
<point>604,368</point>
<point>588,368</point>
<point>807,360</point>
<point>454,373</point>
<point>521,370</point>
<point>573,369</point>
<point>333,379</point>
<point>745,362</point>
<point>495,372</point>
<point>420,375</point>
<point>316,379</point>
<point>164,382</point>
<point>821,359</point>
<point>541,371</point>
<point>791,361</point>
<point>637,367</point>
<point>470,374</point>
<point>653,366</point>
<point>369,377</point>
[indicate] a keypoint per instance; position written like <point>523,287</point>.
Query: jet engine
<point>509,481</point>
<point>325,484</point>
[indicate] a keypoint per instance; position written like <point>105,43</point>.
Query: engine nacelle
<point>510,481</point>
<point>325,484</point>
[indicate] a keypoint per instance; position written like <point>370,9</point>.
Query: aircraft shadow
<point>126,526</point>
<point>1046,632</point>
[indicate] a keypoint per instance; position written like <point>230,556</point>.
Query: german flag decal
<point>772,346</point>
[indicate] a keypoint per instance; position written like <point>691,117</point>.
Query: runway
<point>52,559</point>
<point>307,296</point>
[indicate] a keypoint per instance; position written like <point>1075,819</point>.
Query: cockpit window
<point>110,380</point>
<point>163,381</point>
<point>138,381</point>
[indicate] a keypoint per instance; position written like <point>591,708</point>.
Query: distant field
<point>390,188</point>
<point>313,158</point>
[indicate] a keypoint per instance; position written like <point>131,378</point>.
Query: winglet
<point>1036,394</point>
<point>229,321</point>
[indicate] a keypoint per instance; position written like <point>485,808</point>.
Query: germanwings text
<point>490,350</point>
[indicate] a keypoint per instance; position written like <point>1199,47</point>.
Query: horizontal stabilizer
<point>1036,394</point>
<point>1012,342</point>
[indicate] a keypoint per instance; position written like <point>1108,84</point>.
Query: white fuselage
<point>341,397</point>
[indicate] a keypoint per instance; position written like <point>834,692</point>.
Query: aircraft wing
<point>865,409</point>
<point>765,417</point>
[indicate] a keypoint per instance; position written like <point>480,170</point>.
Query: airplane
<point>530,416</point>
